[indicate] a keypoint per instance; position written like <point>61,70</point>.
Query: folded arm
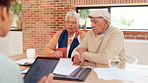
<point>114,47</point>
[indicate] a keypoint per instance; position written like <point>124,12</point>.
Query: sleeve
<point>83,44</point>
<point>114,47</point>
<point>9,71</point>
<point>49,49</point>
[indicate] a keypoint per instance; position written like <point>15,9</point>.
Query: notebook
<point>25,62</point>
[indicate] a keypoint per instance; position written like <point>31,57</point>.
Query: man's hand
<point>58,54</point>
<point>81,50</point>
<point>78,59</point>
<point>46,79</point>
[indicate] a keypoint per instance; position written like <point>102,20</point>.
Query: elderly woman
<point>63,42</point>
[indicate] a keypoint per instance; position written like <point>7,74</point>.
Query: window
<point>123,17</point>
<point>130,17</point>
<point>16,12</point>
<point>84,16</point>
<point>13,25</point>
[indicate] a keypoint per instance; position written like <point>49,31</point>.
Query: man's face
<point>99,25</point>
<point>71,24</point>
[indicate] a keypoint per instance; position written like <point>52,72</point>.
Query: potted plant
<point>17,10</point>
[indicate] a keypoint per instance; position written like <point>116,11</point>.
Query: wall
<point>43,18</point>
<point>136,35</point>
<point>11,44</point>
<point>138,48</point>
<point>98,2</point>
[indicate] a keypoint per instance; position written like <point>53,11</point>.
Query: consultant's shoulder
<point>7,62</point>
<point>8,65</point>
<point>10,71</point>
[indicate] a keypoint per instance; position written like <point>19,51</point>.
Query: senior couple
<point>100,44</point>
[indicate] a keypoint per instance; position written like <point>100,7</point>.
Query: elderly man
<point>102,43</point>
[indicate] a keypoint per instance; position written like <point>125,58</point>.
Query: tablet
<point>41,67</point>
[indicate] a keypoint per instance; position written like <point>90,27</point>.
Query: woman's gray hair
<point>72,13</point>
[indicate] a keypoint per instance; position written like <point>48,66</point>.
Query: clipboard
<point>43,66</point>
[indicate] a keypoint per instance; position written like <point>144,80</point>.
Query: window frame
<point>109,10</point>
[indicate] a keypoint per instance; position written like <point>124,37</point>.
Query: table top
<point>142,76</point>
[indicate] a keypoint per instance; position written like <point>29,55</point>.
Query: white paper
<point>64,67</point>
<point>25,61</point>
<point>140,69</point>
<point>25,71</point>
<point>115,74</point>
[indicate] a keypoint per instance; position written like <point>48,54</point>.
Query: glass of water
<point>114,63</point>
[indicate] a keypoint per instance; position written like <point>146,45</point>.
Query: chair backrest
<point>138,49</point>
<point>131,59</point>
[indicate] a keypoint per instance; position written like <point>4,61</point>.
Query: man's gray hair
<point>72,13</point>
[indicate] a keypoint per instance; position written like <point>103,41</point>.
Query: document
<point>64,67</point>
<point>25,71</point>
<point>115,74</point>
<point>25,61</point>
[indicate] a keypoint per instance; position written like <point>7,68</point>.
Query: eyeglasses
<point>71,22</point>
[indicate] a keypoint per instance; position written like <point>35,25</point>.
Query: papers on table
<point>64,67</point>
<point>25,71</point>
<point>25,61</point>
<point>115,74</point>
<point>139,68</point>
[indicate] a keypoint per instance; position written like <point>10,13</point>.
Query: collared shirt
<point>105,30</point>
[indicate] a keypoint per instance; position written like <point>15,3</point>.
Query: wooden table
<point>142,76</point>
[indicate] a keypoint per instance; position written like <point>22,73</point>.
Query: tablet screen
<point>41,67</point>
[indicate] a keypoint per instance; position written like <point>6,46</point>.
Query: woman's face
<point>5,21</point>
<point>72,24</point>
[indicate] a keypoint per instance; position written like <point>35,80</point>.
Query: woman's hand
<point>23,75</point>
<point>46,79</point>
<point>58,54</point>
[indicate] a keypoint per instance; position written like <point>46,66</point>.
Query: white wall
<point>12,43</point>
<point>139,49</point>
<point>5,45</point>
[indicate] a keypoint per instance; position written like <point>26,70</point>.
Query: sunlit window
<point>130,17</point>
<point>124,18</point>
<point>84,20</point>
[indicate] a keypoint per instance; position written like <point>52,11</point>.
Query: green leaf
<point>17,9</point>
